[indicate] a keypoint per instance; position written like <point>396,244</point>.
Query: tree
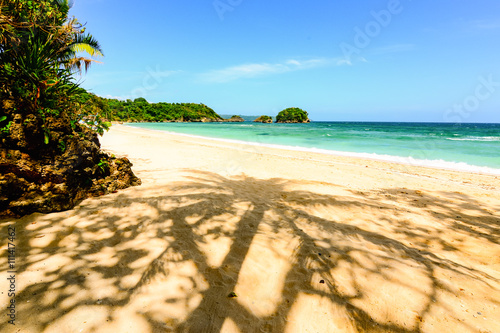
<point>292,115</point>
<point>42,110</point>
<point>40,51</point>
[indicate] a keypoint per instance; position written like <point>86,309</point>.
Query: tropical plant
<point>40,50</point>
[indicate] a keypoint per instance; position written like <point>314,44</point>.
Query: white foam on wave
<point>477,138</point>
<point>438,164</point>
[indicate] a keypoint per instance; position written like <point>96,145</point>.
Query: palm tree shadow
<point>313,262</point>
<point>242,216</point>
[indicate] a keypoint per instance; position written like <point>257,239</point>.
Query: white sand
<point>307,242</point>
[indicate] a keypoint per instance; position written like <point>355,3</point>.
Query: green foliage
<point>39,52</point>
<point>294,115</point>
<point>62,146</point>
<point>5,129</point>
<point>46,135</point>
<point>4,126</point>
<point>140,100</point>
<point>141,110</point>
<point>103,165</point>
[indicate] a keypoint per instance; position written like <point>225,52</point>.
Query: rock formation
<point>53,169</point>
<point>264,119</point>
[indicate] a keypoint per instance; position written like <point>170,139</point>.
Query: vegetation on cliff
<point>292,115</point>
<point>50,156</point>
<point>264,119</point>
<point>140,110</point>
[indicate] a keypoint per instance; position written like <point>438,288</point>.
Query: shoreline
<point>490,182</point>
<point>410,161</point>
<point>226,237</point>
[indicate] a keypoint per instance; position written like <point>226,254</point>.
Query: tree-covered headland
<point>140,110</point>
<point>50,156</point>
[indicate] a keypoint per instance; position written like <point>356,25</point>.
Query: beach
<point>231,237</point>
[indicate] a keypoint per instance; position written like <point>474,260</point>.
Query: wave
<point>438,164</point>
<point>477,138</point>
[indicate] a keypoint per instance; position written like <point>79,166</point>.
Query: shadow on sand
<point>110,253</point>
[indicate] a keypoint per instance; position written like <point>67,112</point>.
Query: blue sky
<point>392,60</point>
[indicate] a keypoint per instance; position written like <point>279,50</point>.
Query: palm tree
<point>73,41</point>
<point>45,52</point>
<point>40,50</point>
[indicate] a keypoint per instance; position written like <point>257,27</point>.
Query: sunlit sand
<point>225,237</point>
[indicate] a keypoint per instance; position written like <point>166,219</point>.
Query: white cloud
<point>345,61</point>
<point>247,71</point>
<point>293,62</point>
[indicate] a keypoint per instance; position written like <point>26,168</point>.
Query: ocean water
<point>467,147</point>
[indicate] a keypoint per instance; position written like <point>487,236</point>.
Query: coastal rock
<point>292,115</point>
<point>234,119</point>
<point>264,119</point>
<point>45,177</point>
<point>207,120</point>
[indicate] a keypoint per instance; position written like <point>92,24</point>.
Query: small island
<point>264,119</point>
<point>292,115</point>
<point>234,119</point>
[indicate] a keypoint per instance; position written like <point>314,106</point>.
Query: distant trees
<point>141,110</point>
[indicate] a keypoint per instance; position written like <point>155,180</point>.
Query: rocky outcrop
<point>53,169</point>
<point>206,120</point>
<point>264,119</point>
<point>234,119</point>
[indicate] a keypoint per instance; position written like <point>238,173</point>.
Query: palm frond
<point>86,43</point>
<point>68,3</point>
<point>83,47</point>
<point>65,3</point>
<point>75,64</point>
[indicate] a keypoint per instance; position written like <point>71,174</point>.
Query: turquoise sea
<point>468,147</point>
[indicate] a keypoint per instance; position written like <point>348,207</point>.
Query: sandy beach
<point>227,237</point>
